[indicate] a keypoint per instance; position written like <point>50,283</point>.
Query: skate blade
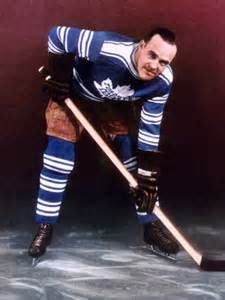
<point>35,261</point>
<point>160,253</point>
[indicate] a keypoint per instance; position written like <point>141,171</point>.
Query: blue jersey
<point>104,69</point>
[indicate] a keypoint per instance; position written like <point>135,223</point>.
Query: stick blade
<point>212,264</point>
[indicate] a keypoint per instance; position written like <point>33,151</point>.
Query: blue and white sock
<point>58,163</point>
<point>127,151</point>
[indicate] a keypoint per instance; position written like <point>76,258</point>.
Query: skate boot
<point>159,239</point>
<point>41,240</point>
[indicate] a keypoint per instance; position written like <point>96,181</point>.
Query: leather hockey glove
<point>146,194</point>
<point>58,77</point>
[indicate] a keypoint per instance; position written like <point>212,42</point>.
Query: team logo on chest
<point>106,90</point>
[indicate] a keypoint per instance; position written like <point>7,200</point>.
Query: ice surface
<point>101,264</point>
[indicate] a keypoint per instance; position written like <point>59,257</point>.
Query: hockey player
<point>110,70</point>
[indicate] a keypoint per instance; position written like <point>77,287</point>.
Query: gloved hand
<point>146,193</point>
<point>57,77</point>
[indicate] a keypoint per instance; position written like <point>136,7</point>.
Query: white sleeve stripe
<point>161,97</point>
<point>53,179</point>
<point>49,203</point>
<point>148,139</point>
<point>62,34</point>
<point>83,43</point>
<point>79,42</point>
<point>66,40</point>
<point>141,213</point>
<point>148,133</point>
<point>153,137</point>
<point>57,32</point>
<point>154,115</point>
<point>144,172</point>
<point>148,142</point>
<point>53,47</point>
<point>89,42</point>
<point>151,119</point>
<point>151,123</point>
<point>157,101</point>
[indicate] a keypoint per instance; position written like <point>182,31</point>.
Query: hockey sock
<point>127,150</point>
<point>58,163</point>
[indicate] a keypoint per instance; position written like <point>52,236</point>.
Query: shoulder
<point>167,76</point>
<point>110,36</point>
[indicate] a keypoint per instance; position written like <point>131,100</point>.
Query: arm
<point>150,123</point>
<point>62,40</point>
<point>149,156</point>
<point>65,44</point>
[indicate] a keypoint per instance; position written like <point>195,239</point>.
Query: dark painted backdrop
<point>193,131</point>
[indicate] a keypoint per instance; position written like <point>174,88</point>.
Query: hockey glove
<point>146,194</point>
<point>58,77</point>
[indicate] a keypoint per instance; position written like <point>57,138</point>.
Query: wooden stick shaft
<point>196,256</point>
<point>101,143</point>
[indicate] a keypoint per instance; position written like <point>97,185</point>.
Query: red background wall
<point>194,131</point>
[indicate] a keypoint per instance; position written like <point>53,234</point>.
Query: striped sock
<point>127,150</point>
<point>58,163</point>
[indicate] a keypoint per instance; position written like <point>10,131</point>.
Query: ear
<point>142,44</point>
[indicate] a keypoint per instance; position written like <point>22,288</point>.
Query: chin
<point>144,76</point>
<point>147,77</point>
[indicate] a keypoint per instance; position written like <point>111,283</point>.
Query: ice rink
<point>104,258</point>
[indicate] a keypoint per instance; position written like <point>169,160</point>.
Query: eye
<point>163,63</point>
<point>152,55</point>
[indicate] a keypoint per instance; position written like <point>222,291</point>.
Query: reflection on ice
<point>95,265</point>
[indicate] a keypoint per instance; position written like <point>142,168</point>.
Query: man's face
<point>153,56</point>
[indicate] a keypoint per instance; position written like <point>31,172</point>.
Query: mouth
<point>150,73</point>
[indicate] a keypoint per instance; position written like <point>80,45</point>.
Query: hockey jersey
<point>104,69</point>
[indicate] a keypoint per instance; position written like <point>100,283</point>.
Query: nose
<point>154,64</point>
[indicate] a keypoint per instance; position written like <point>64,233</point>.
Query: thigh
<point>61,123</point>
<point>119,119</point>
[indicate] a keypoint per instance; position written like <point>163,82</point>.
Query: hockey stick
<point>204,262</point>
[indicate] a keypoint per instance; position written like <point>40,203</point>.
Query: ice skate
<point>159,241</point>
<point>40,242</point>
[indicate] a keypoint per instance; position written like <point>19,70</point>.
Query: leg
<point>155,234</point>
<point>58,163</point>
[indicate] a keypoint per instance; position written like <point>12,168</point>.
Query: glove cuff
<point>148,162</point>
<point>60,66</point>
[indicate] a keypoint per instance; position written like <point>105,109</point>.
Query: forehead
<point>162,48</point>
